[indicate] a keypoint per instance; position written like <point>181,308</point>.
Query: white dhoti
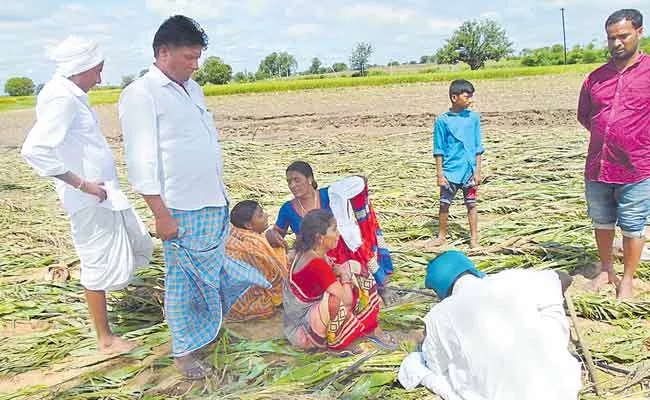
<point>110,245</point>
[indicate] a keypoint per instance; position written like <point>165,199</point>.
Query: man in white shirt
<point>500,337</point>
<point>174,161</point>
<point>67,144</point>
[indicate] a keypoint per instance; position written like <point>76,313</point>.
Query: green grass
<point>110,96</point>
<point>382,80</point>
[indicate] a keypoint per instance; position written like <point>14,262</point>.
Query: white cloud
<point>441,25</point>
<point>208,9</point>
<point>299,30</point>
<point>489,15</point>
<point>204,9</point>
<point>378,13</point>
<point>256,7</point>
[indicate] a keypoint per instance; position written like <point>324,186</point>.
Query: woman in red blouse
<point>327,305</point>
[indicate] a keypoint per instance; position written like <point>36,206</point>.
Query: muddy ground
<point>546,100</point>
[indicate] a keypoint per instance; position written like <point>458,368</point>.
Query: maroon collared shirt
<point>615,108</point>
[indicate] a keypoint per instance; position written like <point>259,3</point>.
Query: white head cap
<point>75,55</point>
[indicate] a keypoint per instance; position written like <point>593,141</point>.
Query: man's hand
<point>275,239</point>
<point>94,189</point>
<point>166,227</point>
<point>442,181</point>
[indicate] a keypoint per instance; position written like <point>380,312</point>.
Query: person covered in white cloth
<point>174,161</point>
<point>503,336</point>
<point>66,143</point>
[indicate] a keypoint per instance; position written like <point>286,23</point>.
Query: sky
<point>242,32</point>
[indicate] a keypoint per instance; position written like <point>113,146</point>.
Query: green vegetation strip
<point>110,96</point>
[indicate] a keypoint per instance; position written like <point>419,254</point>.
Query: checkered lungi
<point>201,282</point>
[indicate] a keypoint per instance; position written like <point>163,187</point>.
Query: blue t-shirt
<point>457,138</point>
<point>288,216</point>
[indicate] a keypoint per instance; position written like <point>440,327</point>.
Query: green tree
<point>554,55</point>
<point>339,67</point>
<point>213,70</point>
<point>393,63</point>
<point>278,64</point>
<point>241,77</point>
<point>475,42</point>
<point>427,60</point>
<point>315,66</point>
<point>19,86</point>
<point>142,72</point>
<point>645,45</point>
<point>287,63</point>
<point>360,56</point>
<point>127,80</point>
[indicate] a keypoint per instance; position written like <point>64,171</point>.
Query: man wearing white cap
<point>67,144</point>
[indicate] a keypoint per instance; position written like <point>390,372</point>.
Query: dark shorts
<point>470,195</point>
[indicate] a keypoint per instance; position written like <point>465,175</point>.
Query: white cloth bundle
<point>340,193</point>
<point>75,55</point>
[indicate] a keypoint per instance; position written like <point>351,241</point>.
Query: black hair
<point>179,31</point>
<point>304,169</point>
<point>314,223</point>
<point>626,14</point>
<point>242,213</point>
<point>460,86</point>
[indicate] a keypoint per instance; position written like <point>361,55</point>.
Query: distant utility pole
<point>563,34</point>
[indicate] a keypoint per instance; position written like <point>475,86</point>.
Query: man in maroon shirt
<point>615,107</point>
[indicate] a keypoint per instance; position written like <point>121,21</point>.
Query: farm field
<point>531,215</point>
<point>407,74</point>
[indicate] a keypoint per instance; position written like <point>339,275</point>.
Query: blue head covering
<point>443,271</point>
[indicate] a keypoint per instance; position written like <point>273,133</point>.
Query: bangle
<point>81,184</point>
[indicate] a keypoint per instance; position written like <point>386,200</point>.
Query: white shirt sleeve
<point>53,122</point>
<point>413,372</point>
<point>137,114</point>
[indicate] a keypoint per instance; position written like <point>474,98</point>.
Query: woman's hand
<point>275,238</point>
<point>343,272</point>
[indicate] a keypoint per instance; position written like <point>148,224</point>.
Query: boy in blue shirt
<point>457,148</point>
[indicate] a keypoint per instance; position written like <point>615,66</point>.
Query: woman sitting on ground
<point>247,243</point>
<point>348,200</point>
<point>328,306</point>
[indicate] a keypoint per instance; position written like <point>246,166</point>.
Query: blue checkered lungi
<point>201,282</point>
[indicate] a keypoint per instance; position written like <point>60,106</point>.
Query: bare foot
<point>434,243</point>
<point>388,296</point>
<point>473,244</point>
<point>383,339</point>
<point>603,278</point>
<point>192,367</point>
<point>115,345</point>
<point>624,289</point>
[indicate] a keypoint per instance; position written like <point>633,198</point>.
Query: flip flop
<point>392,345</point>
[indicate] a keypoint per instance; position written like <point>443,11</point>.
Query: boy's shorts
<point>470,194</point>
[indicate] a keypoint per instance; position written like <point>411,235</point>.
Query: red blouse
<point>313,279</point>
